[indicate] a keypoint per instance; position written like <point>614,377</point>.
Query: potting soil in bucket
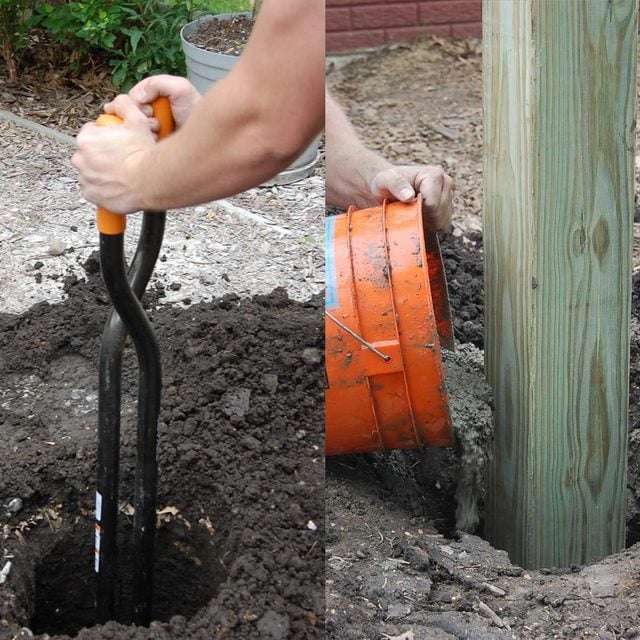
<point>385,375</point>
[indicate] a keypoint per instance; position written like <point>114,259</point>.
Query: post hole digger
<point>128,317</point>
<point>387,316</point>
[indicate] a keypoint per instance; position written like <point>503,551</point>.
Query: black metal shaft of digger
<point>127,316</point>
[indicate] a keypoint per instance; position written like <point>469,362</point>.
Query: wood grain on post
<point>559,120</point>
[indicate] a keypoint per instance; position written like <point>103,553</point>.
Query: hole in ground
<point>188,572</point>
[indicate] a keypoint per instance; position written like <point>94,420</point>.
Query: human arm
<point>359,176</point>
<point>247,128</point>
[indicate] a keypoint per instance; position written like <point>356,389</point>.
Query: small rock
<point>311,355</point>
<point>269,382</point>
<point>418,558</point>
<point>251,443</point>
<point>38,265</point>
<point>396,611</point>
<point>175,286</point>
<point>14,506</point>
<point>370,114</point>
<point>312,525</point>
<point>274,626</point>
<point>235,402</point>
<point>56,247</point>
<point>178,625</point>
<point>297,515</point>
<point>4,572</point>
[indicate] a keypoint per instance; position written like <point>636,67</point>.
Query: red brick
<point>403,34</point>
<point>353,40</point>
<point>450,11</point>
<point>337,19</point>
<point>348,3</point>
<point>440,30</point>
<point>467,30</point>
<point>388,15</point>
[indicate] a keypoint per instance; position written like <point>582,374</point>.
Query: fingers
<point>446,204</point>
<point>436,188</point>
<point>182,95</point>
<point>153,87</point>
<point>124,107</point>
<point>433,184</point>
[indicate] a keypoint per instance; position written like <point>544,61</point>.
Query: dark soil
<point>464,268</point>
<point>241,502</point>
<point>228,36</point>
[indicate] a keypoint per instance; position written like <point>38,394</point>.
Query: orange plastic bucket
<point>385,377</point>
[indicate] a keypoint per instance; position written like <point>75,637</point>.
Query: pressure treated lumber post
<point>559,119</point>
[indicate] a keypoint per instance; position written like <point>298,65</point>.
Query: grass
<point>220,6</point>
<point>225,6</point>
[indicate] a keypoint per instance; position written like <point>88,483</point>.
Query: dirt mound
<point>241,524</point>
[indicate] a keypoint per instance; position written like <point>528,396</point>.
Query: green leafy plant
<point>134,38</point>
<point>151,45</point>
<point>137,38</point>
<point>86,26</point>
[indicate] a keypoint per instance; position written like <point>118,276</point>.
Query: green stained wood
<point>559,121</point>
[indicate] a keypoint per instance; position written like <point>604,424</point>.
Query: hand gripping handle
<point>115,223</point>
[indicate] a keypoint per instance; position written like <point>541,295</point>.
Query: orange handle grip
<point>114,223</point>
<point>162,112</point>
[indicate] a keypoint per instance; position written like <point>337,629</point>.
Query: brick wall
<point>360,24</point>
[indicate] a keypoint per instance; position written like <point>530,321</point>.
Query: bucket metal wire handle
<point>360,339</point>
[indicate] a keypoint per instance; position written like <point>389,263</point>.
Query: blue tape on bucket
<point>331,294</point>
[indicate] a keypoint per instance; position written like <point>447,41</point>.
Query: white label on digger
<point>98,506</point>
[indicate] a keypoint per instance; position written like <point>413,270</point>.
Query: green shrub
<point>137,38</point>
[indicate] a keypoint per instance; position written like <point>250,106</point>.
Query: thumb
<point>391,182</point>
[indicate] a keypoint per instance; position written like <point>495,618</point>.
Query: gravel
<point>264,238</point>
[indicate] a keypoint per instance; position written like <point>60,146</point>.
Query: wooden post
<point>559,122</point>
